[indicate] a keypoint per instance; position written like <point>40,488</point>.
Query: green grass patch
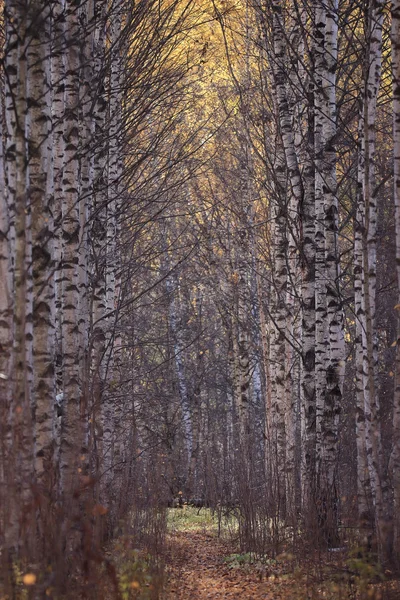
<point>189,518</point>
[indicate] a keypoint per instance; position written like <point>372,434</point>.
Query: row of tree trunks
<point>307,196</point>
<point>53,159</point>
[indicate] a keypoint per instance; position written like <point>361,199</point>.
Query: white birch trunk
<point>329,365</point>
<point>21,449</point>
<point>39,173</point>
<point>114,181</point>
<point>57,113</point>
<point>172,287</point>
<point>308,297</point>
<point>86,23</point>
<point>369,337</point>
<point>6,314</point>
<point>395,457</point>
<point>278,346</point>
<point>363,484</point>
<point>243,339</point>
<point>71,433</point>
<point>101,409</point>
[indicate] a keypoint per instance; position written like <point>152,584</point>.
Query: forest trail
<point>202,566</point>
<point>198,569</point>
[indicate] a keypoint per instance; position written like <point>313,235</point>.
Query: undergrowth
<point>313,575</point>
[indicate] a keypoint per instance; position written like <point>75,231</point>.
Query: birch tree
<point>395,458</point>
<point>370,473</point>
<point>41,199</point>
<point>20,451</point>
<point>329,361</point>
<point>71,435</point>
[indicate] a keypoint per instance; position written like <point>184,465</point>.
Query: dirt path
<point>197,571</point>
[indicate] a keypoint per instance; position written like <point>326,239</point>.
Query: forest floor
<point>197,570</point>
<point>203,566</point>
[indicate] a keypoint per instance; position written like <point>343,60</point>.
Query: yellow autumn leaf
<point>135,585</point>
<point>397,307</point>
<point>29,579</point>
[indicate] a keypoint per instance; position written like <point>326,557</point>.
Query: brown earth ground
<point>197,571</point>
<point>201,566</point>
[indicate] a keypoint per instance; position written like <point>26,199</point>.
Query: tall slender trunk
<point>20,452</point>
<point>279,315</point>
<point>395,457</point>
<point>113,214</point>
<point>294,202</point>
<point>330,363</point>
<point>57,67</point>
<point>321,333</point>
<point>243,338</point>
<point>363,481</point>
<point>6,308</point>
<point>308,327</point>
<point>369,333</point>
<point>101,407</point>
<point>243,254</point>
<point>197,408</point>
<point>71,432</point>
<point>172,285</point>
<point>40,194</point>
<point>86,23</point>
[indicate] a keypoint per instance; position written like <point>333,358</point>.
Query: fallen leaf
<point>29,579</point>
